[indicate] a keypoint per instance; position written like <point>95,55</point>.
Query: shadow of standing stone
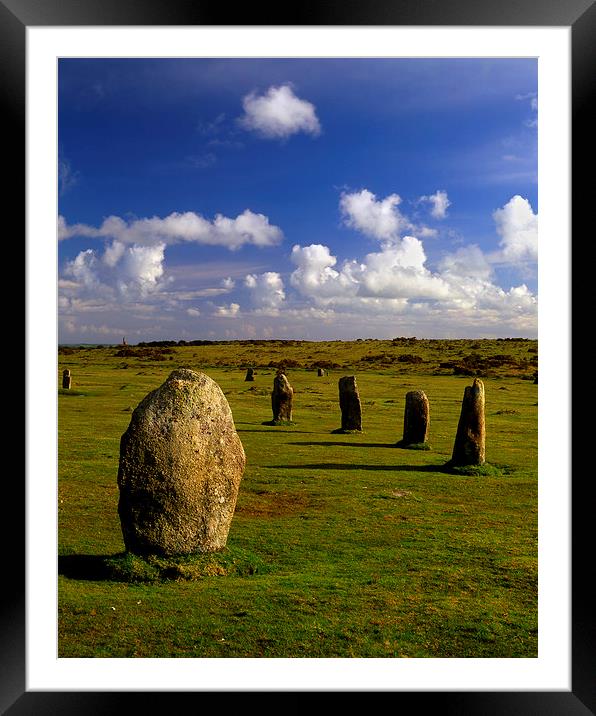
<point>282,397</point>
<point>66,379</point>
<point>469,447</point>
<point>416,421</point>
<point>350,406</point>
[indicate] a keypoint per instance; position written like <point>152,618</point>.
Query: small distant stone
<point>250,374</point>
<point>66,379</point>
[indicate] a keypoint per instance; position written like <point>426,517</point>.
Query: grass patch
<point>413,446</point>
<point>340,546</point>
<point>486,470</point>
<point>71,392</point>
<point>132,569</point>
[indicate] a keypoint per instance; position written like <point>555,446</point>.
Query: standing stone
<point>416,419</point>
<point>349,403</point>
<point>250,374</point>
<point>469,448</point>
<point>66,379</point>
<point>320,372</point>
<point>181,463</point>
<point>282,397</point>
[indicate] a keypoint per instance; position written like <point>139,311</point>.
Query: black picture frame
<point>580,16</point>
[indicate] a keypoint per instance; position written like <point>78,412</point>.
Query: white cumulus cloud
<point>398,271</point>
<point>246,228</point>
<point>466,262</point>
<point>517,225</point>
<point>315,276</point>
<point>267,289</point>
<point>379,219</point>
<point>128,271</point>
<point>439,202</point>
<point>395,272</point>
<point>228,311</point>
<point>279,113</point>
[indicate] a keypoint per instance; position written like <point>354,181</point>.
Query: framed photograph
<point>193,182</point>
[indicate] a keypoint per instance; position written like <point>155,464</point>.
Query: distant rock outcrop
<point>181,463</point>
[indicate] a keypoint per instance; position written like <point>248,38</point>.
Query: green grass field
<point>341,545</point>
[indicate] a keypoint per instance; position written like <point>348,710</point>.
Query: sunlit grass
<point>341,545</point>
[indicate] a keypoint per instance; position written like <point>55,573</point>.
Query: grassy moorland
<point>341,545</point>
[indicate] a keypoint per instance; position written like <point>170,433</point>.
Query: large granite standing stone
<point>469,447</point>
<point>416,419</point>
<point>282,398</point>
<point>349,403</point>
<point>181,462</point>
<point>66,379</point>
<point>250,374</point>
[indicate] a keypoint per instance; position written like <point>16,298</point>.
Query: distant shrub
<point>472,360</point>
<point>374,357</point>
<point>463,370</point>
<point>288,363</point>
<point>409,358</point>
<point>157,354</point>
<point>447,364</point>
<point>325,364</point>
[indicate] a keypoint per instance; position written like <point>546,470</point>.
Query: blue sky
<point>297,198</point>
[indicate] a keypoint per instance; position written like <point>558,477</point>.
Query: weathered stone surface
<point>320,372</point>
<point>66,378</point>
<point>349,403</point>
<point>181,463</point>
<point>416,418</point>
<point>282,398</point>
<point>250,374</point>
<point>469,447</point>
